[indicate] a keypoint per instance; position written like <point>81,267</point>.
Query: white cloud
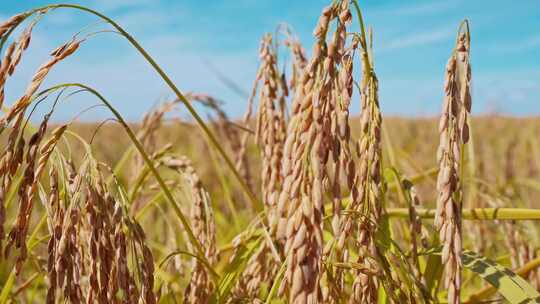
<point>122,75</point>
<point>515,91</point>
<point>419,9</point>
<point>529,43</point>
<point>129,82</point>
<point>417,39</point>
<point>143,20</point>
<point>111,5</point>
<point>427,8</point>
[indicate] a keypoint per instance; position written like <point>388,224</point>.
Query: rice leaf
<point>509,285</point>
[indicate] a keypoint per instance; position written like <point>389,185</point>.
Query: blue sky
<point>412,42</point>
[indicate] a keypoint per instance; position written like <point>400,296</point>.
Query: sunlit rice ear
<point>306,152</point>
<point>10,23</point>
<point>454,132</point>
<point>38,78</point>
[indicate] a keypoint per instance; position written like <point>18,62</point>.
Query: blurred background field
<point>507,148</point>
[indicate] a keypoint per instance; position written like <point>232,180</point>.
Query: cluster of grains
<point>365,184</point>
<point>339,139</point>
<point>200,285</point>
<point>14,155</point>
<point>100,210</point>
<point>299,60</point>
<point>307,147</point>
<point>57,55</point>
<point>344,165</point>
<point>91,242</point>
<point>368,201</point>
<point>454,132</point>
<point>11,23</point>
<point>416,229</point>
<point>29,186</point>
<point>10,162</point>
<point>270,127</point>
<point>64,264</point>
<point>13,54</point>
<point>270,136</point>
<point>145,268</point>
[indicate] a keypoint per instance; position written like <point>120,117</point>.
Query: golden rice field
<point>299,201</point>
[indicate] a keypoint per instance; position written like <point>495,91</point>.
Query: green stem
<point>475,213</point>
<point>361,22</point>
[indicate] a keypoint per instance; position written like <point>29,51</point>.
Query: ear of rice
<point>454,132</point>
